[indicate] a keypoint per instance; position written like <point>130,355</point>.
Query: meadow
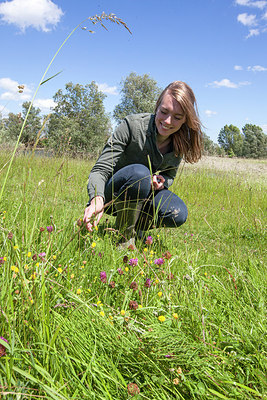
<point>181,317</point>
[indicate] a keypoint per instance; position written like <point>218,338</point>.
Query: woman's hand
<point>158,182</point>
<point>94,211</point>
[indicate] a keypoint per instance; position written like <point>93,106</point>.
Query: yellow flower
<point>141,272</point>
<point>175,315</point>
<point>151,252</point>
<point>60,270</point>
<point>33,276</point>
<point>126,269</point>
<point>176,381</point>
<point>96,228</point>
<point>159,294</point>
<point>4,258</point>
<point>54,257</point>
<point>205,274</point>
<point>110,317</point>
<point>140,306</point>
<point>102,313</point>
<point>156,281</point>
<point>14,268</point>
<point>29,254</point>
<point>72,276</point>
<point>82,266</point>
<point>93,244</point>
<point>31,301</point>
<point>15,247</point>
<point>37,265</point>
<point>99,302</point>
<point>79,291</point>
<point>122,312</point>
<point>89,290</point>
<point>161,318</point>
<point>145,249</point>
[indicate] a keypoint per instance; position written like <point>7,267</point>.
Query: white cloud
<point>238,68</point>
<point>39,14</point>
<point>227,83</point>
<point>258,4</point>
<point>44,104</point>
<point>103,87</point>
<point>246,19</point>
<point>253,32</point>
<point>257,68</point>
<point>264,128</point>
<point>209,113</point>
<point>11,90</point>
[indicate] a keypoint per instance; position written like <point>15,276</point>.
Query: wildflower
<point>175,315</point>
<point>149,240</point>
<point>49,228</point>
<point>166,255</point>
<point>93,244</point>
<point>15,247</point>
<point>140,306</point>
<point>133,305</point>
<point>133,262</point>
<point>205,274</point>
<point>54,257</point>
<point>161,318</point>
<point>10,235</point>
<point>111,284</point>
<point>100,255</point>
<point>179,370</point>
<point>126,269</point>
<point>60,270</point>
<point>34,257</point>
<point>145,249</point>
<point>120,271</point>
<point>125,259</point>
<point>134,286</point>
<point>148,283</point>
<point>37,265</point>
<point>72,276</point>
<point>102,313</point>
<point>133,389</point>
<point>79,222</point>
<point>42,255</point>
<point>103,276</point>
<point>2,260</point>
<point>159,261</point>
<point>159,294</point>
<point>122,312</point>
<point>176,381</point>
<point>29,254</point>
<point>14,268</point>
<point>79,291</point>
<point>2,347</point>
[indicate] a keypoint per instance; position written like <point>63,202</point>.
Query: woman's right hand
<point>93,213</point>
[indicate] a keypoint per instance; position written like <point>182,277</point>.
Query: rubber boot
<point>128,212</point>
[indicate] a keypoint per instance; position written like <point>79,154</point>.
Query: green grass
<point>71,336</point>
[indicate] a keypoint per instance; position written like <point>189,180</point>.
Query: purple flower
<point>148,283</point>
<point>42,255</point>
<point>159,261</point>
<point>2,260</point>
<point>133,261</point>
<point>103,276</point>
<point>49,228</point>
<point>149,240</point>
<point>2,347</point>
<point>120,271</point>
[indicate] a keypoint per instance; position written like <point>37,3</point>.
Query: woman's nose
<point>168,119</point>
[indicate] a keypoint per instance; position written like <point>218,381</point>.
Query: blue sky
<point>217,46</point>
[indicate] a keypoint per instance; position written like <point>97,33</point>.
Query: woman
<point>139,163</point>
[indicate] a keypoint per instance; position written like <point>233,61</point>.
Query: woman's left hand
<point>158,182</point>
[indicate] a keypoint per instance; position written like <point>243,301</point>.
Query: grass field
<point>182,317</point>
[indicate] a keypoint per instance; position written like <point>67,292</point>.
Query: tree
<point>139,95</point>
<point>255,142</point>
<point>79,122</point>
<point>11,126</point>
<point>231,140</point>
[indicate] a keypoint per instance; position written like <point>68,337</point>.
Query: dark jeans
<point>161,207</point>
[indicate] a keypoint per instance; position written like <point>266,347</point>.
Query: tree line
<point>79,124</point>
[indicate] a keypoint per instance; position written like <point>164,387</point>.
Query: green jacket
<point>133,142</point>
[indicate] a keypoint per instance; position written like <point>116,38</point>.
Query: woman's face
<point>169,116</point>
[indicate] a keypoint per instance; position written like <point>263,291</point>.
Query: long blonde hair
<point>188,140</point>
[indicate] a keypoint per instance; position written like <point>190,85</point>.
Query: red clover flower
<point>159,261</point>
<point>103,276</point>
<point>133,261</point>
